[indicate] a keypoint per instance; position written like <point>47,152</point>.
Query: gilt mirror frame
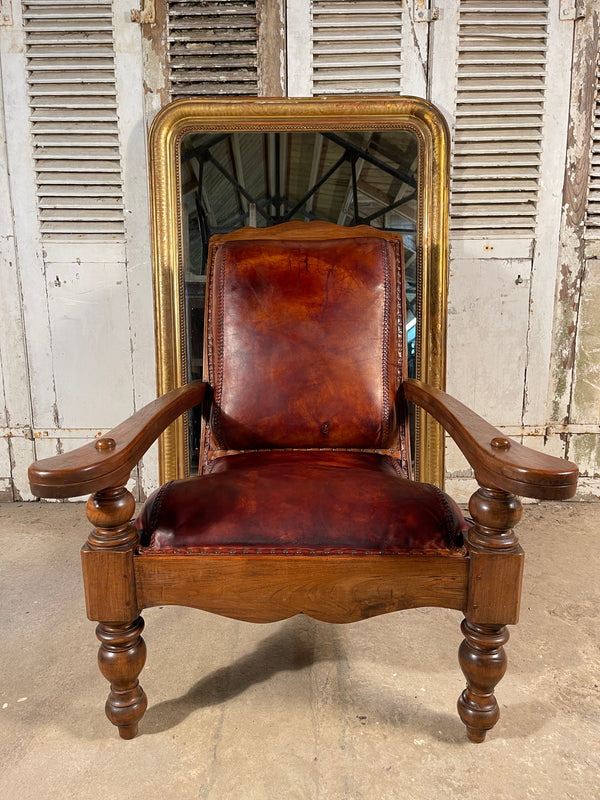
<point>412,114</point>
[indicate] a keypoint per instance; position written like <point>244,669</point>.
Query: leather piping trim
<point>155,513</point>
<point>396,465</point>
<point>402,355</point>
<point>226,550</point>
<point>389,453</point>
<point>209,366</point>
<point>218,382</point>
<point>453,537</point>
<point>385,346</point>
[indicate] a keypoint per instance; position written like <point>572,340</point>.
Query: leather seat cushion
<point>301,502</point>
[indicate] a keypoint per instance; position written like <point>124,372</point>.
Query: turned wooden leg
<point>495,574</point>
<point>121,658</point>
<point>110,592</point>
<point>483,662</point>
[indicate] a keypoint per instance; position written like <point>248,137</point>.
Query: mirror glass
<point>262,178</point>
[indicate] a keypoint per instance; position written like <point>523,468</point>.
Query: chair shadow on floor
<point>293,647</point>
<point>285,650</point>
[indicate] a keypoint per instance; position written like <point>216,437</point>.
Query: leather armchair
<point>305,501</point>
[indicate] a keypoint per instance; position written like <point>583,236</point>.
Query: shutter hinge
<point>572,9</point>
<point>6,15</point>
<point>146,14</point>
<point>422,12</point>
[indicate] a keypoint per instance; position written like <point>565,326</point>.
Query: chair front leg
<point>496,569</point>
<point>483,662</point>
<point>121,658</point>
<point>109,580</point>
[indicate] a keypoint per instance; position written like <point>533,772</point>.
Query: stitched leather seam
<point>209,349</point>
<point>399,317</point>
<point>218,384</point>
<point>451,533</point>
<point>156,508</point>
<point>385,348</point>
<point>402,353</point>
<point>390,452</point>
<point>226,550</point>
<point>210,465</point>
<point>397,467</point>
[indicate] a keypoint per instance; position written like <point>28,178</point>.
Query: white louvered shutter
<point>357,46</point>
<point>501,85</point>
<point>508,106</point>
<point>340,47</point>
<point>592,222</point>
<point>212,47</point>
<point>71,77</point>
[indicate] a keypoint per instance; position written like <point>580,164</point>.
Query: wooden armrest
<point>109,460</point>
<point>497,461</point>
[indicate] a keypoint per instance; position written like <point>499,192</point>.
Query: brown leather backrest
<point>304,339</point>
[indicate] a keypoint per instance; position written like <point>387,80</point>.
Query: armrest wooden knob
<point>106,443</point>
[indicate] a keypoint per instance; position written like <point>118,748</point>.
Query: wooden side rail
<point>109,460</point>
<point>497,461</point>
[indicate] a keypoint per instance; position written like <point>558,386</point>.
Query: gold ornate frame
<point>290,114</point>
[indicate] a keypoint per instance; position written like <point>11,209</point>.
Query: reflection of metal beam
<point>203,211</point>
<point>359,167</point>
<point>273,161</point>
<point>284,167</point>
<point>316,187</point>
<point>270,165</point>
<point>232,180</point>
<point>236,157</point>
<point>314,168</point>
<point>403,189</point>
<point>200,193</point>
<point>354,189</point>
<point>277,176</point>
<point>362,153</point>
<point>205,232</point>
<point>375,194</point>
<point>206,205</point>
<point>210,141</point>
<point>390,207</point>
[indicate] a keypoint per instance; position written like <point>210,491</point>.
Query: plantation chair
<point>304,502</point>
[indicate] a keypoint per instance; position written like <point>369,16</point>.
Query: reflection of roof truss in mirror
<point>260,179</point>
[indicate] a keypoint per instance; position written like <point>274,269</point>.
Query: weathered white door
<point>507,98</point>
<point>77,340</point>
<point>501,74</point>
<point>574,394</point>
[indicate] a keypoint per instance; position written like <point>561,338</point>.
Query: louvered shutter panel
<point>592,222</point>
<point>357,46</point>
<point>212,48</point>
<point>499,117</point>
<point>71,76</point>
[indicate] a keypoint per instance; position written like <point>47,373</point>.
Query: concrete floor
<point>297,709</point>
